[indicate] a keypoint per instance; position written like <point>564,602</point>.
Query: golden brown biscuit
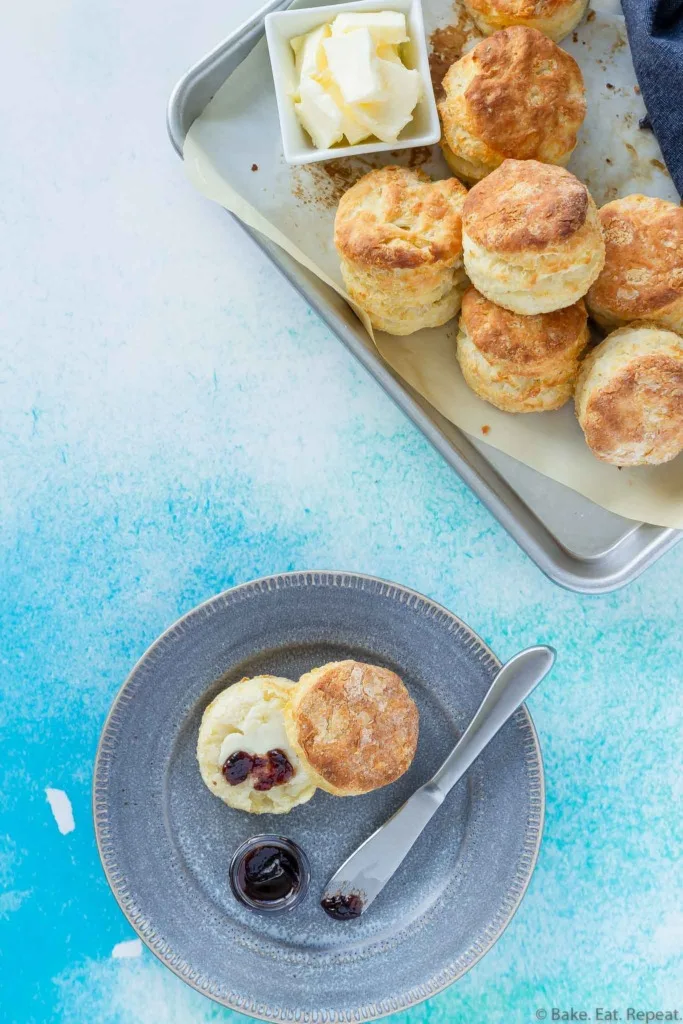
<point>529,345</point>
<point>396,218</point>
<point>510,393</point>
<point>520,363</point>
<point>643,274</point>
<point>399,236</point>
<point>554,18</point>
<point>532,239</point>
<point>400,319</point>
<point>629,397</point>
<point>436,302</point>
<point>353,726</point>
<point>514,95</point>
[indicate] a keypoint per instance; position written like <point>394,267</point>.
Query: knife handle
<point>509,690</point>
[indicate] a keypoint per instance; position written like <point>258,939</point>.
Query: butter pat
<point>351,81</point>
<point>383,26</point>
<point>309,53</point>
<point>401,89</point>
<point>353,127</point>
<point>261,731</point>
<point>319,114</point>
<point>353,65</point>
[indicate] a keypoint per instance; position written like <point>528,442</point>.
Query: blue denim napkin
<point>655,32</point>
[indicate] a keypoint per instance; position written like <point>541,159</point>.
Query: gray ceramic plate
<point>166,842</point>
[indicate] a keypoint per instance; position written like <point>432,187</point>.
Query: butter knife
<point>352,888</point>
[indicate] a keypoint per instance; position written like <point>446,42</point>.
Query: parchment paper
<point>233,156</point>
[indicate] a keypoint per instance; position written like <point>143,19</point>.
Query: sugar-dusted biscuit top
<point>354,726</point>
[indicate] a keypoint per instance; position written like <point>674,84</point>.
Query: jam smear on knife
<point>343,907</point>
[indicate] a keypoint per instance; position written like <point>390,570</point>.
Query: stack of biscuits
<point>533,246</point>
<point>399,238</point>
<point>537,254</point>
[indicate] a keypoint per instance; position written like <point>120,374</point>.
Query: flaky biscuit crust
<point>532,240</point>
<point>354,726</point>
<point>399,236</point>
<point>396,218</point>
<point>527,345</point>
<point>520,8</point>
<point>555,18</point>
<point>525,206</point>
<point>514,95</point>
<point>508,392</point>
<point>643,274</point>
<point>629,397</point>
<point>515,373</point>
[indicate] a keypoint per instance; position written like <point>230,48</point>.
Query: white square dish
<point>283,26</point>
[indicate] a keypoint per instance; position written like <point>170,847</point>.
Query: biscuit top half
<point>356,725</point>
<point>526,206</point>
<point>524,344</point>
<point>643,270</point>
<point>519,93</point>
<point>396,218</point>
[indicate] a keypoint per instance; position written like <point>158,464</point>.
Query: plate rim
<point>193,977</point>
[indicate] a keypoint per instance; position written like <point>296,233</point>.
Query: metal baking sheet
<point>576,543</point>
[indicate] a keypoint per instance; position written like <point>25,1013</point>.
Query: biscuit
<point>514,95</point>
<point>532,239</point>
<point>353,726</point>
<point>643,274</point>
<point>629,396</point>
<point>248,717</point>
<point>554,18</point>
<point>513,393</point>
<point>399,237</point>
<point>520,363</point>
<point>537,345</point>
<point>433,307</point>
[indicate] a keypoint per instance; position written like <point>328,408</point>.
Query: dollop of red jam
<point>271,769</point>
<point>343,907</point>
<point>269,874</point>
<point>237,767</point>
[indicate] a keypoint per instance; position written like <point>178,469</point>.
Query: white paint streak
<point>137,991</point>
<point>12,900</point>
<point>60,805</point>
<point>133,947</point>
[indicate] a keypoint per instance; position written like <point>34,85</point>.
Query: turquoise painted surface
<point>174,421</point>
